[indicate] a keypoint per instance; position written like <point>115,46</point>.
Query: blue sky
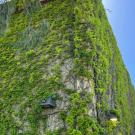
<point>122,19</point>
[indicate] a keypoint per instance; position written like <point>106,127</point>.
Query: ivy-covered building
<point>61,72</point>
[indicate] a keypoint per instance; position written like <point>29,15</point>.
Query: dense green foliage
<point>32,38</point>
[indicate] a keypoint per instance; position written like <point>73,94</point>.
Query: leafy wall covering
<point>36,40</point>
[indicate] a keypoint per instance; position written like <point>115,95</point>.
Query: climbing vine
<point>35,41</point>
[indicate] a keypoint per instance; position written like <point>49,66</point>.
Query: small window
<point>49,103</point>
<point>44,1</point>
